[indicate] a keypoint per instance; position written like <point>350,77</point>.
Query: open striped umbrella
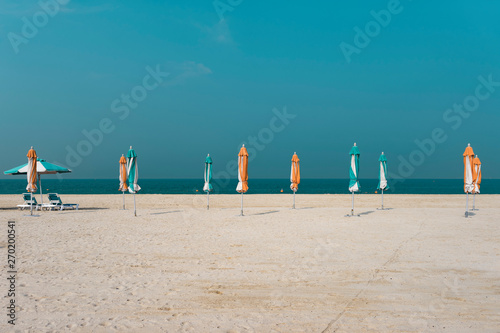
<point>123,177</point>
<point>242,186</point>
<point>31,172</point>
<point>382,183</point>
<point>476,165</point>
<point>42,168</point>
<point>133,174</point>
<point>468,175</point>
<point>354,173</point>
<point>295,176</point>
<point>208,178</point>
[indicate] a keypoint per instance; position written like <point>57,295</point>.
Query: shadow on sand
<point>265,213</point>
<point>173,211</point>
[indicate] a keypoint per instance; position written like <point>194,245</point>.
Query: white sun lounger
<point>56,202</point>
<point>28,202</point>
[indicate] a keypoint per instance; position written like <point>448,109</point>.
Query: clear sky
<point>180,79</point>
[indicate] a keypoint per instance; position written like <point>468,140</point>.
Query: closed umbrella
<point>133,174</point>
<point>354,173</point>
<point>31,172</point>
<point>123,177</point>
<point>382,183</point>
<point>295,176</point>
<point>476,165</point>
<point>208,178</point>
<point>42,168</point>
<point>468,176</point>
<point>242,174</point>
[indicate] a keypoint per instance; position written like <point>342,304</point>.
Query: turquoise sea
<point>257,186</point>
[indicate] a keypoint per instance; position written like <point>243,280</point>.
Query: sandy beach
<point>419,266</point>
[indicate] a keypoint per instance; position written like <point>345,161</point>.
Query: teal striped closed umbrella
<point>133,174</point>
<point>354,173</point>
<point>208,178</point>
<point>382,182</point>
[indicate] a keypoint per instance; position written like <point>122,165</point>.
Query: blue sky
<point>207,77</point>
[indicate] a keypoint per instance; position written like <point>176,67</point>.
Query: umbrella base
<point>352,214</point>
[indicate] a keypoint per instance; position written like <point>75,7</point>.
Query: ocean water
<point>257,186</point>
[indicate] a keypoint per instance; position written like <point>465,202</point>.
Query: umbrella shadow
<point>71,211</point>
<point>385,209</point>
<point>360,214</point>
<point>305,208</point>
<point>173,211</point>
<point>265,213</point>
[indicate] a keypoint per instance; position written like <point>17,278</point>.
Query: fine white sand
<point>176,267</point>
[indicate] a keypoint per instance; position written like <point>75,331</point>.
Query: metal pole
<point>352,209</point>
<point>208,200</point>
<point>40,186</point>
<point>467,206</point>
<point>135,213</point>
<point>241,204</point>
<point>123,195</point>
<point>31,203</point>
<point>382,199</point>
<point>293,199</point>
<point>474,202</point>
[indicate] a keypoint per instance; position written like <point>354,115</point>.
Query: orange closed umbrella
<point>123,177</point>
<point>469,175</point>
<point>295,176</point>
<point>31,175</point>
<point>242,174</point>
<point>476,166</point>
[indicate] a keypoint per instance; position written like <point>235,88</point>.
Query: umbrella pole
<point>208,200</point>
<point>467,206</point>
<point>382,199</point>
<point>31,203</point>
<point>293,199</point>
<point>352,209</point>
<point>241,204</point>
<point>135,213</point>
<point>40,186</point>
<point>123,195</point>
<point>474,202</point>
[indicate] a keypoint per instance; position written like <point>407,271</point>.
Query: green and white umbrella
<point>42,168</point>
<point>382,182</point>
<point>133,174</point>
<point>208,178</point>
<point>354,174</point>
